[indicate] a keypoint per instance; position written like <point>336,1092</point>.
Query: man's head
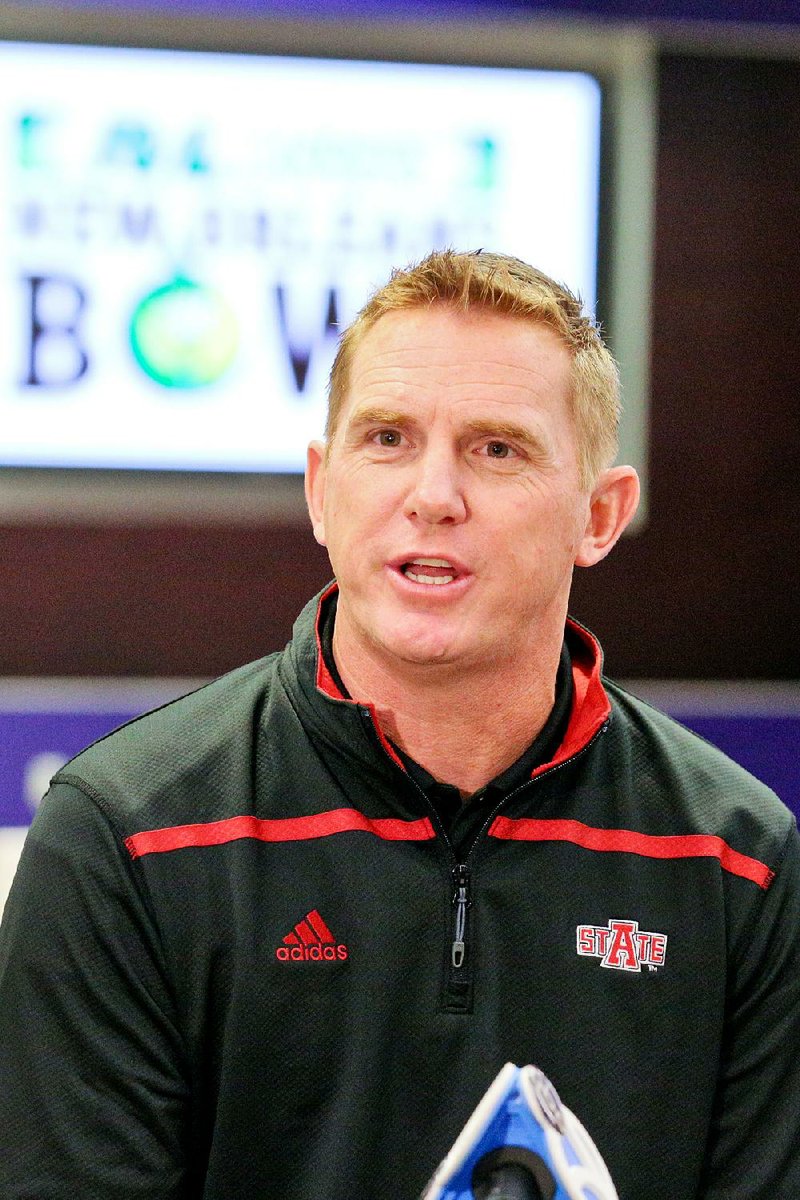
<point>455,493</point>
<point>498,283</point>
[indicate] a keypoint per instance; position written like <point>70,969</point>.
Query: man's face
<point>450,500</point>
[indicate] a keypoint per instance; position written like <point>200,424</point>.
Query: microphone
<point>522,1143</point>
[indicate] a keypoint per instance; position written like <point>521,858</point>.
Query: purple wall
<point>755,11</point>
<point>32,741</point>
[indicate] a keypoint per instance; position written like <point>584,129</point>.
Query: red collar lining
<point>591,707</point>
<point>330,688</point>
<point>325,681</point>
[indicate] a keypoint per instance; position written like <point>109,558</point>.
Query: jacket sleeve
<point>754,1149</point>
<point>93,1085</point>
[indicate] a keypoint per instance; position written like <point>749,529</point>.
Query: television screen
<point>184,231</point>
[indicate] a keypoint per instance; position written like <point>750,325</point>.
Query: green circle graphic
<point>184,334</point>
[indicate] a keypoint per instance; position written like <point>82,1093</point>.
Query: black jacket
<point>231,963</point>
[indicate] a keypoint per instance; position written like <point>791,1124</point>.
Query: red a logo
<point>622,946</point>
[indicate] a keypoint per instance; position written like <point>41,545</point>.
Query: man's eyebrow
<point>373,415</point>
<point>510,431</point>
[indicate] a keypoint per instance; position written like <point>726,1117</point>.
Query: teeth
<point>421,577</point>
<point>434,579</point>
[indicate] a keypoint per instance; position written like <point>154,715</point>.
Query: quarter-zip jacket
<point>240,958</point>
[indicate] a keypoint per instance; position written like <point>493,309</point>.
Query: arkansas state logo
<point>311,941</point>
<point>622,945</point>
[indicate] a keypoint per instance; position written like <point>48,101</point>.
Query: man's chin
<point>425,650</point>
<point>405,642</point>
<point>439,656</point>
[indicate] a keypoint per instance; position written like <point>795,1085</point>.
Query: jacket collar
<point>590,704</point>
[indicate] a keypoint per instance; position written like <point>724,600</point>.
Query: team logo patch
<point>311,941</point>
<point>622,945</point>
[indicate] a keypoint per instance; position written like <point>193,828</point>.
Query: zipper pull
<point>461,903</point>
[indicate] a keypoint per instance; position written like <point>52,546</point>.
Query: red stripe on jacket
<point>626,841</point>
<point>282,829</point>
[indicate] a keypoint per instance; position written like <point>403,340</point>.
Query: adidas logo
<point>311,941</point>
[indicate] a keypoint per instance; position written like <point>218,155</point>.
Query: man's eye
<point>498,450</point>
<point>388,437</point>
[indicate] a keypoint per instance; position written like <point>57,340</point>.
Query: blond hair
<point>505,285</point>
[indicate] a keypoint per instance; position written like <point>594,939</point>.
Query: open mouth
<point>433,572</point>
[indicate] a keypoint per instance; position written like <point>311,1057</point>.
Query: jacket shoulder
<point>182,761</point>
<point>699,786</point>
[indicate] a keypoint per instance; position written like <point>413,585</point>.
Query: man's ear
<point>613,503</point>
<point>315,489</point>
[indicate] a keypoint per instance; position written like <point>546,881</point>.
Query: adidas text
<point>311,953</point>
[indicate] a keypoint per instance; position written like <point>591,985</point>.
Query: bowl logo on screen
<point>184,334</point>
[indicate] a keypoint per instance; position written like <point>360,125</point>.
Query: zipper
<point>457,995</point>
<point>461,902</point>
<point>457,984</point>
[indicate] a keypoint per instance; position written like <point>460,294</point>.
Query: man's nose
<point>436,492</point>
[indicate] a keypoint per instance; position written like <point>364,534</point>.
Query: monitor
<point>186,224</point>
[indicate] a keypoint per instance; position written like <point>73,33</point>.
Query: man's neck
<point>463,726</point>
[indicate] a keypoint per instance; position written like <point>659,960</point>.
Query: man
<point>276,938</point>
